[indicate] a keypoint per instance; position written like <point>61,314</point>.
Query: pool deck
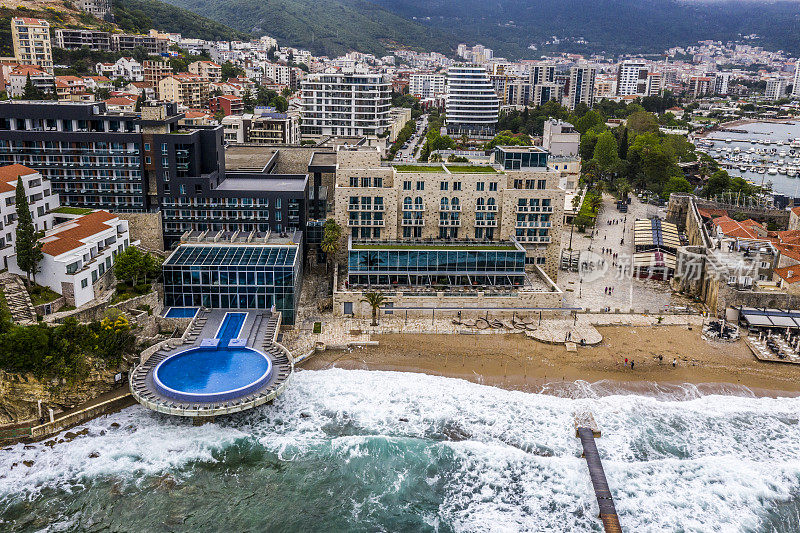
<point>260,330</point>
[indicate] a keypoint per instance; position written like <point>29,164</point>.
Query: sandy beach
<point>516,362</point>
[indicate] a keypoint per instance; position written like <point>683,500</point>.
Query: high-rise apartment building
<point>581,85</point>
<point>31,40</point>
<point>427,85</point>
<point>345,103</point>
<point>632,78</point>
<point>776,88</point>
<point>700,85</point>
<point>472,105</point>
<point>721,82</point>
<point>542,73</point>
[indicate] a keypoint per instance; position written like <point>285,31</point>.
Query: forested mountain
<point>142,15</point>
<point>507,26</point>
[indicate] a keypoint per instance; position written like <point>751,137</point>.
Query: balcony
<point>532,224</point>
<point>356,223</point>
<point>413,222</point>
<point>534,209</point>
<point>486,208</point>
<point>534,239</point>
<point>486,223</point>
<point>449,223</point>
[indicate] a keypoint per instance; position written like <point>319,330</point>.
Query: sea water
<point>353,450</point>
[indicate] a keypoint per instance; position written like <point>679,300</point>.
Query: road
<point>407,154</point>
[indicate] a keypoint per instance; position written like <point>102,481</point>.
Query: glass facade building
<point>518,158</point>
<point>424,264</point>
<point>235,276</point>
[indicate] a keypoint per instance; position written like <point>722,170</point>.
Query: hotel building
<point>472,104</point>
<point>31,41</point>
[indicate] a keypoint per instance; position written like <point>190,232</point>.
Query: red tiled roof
<point>120,100</point>
<point>25,70</point>
<point>711,213</point>
<point>783,273</point>
<point>732,228</point>
<point>11,173</point>
<point>67,236</point>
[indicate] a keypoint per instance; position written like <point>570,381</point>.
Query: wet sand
<point>513,361</point>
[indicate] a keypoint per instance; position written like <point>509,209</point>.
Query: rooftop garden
<point>64,210</point>
<point>418,168</point>
<point>471,169</point>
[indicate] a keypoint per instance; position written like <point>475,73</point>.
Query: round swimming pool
<point>212,374</point>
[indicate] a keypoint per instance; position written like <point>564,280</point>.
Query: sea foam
<point>457,455</point>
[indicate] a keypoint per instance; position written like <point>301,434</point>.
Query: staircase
<point>18,300</point>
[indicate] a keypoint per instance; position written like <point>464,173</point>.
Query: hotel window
<point>493,186</point>
<point>442,185</point>
<point>406,185</point>
<point>541,184</point>
<point>353,181</point>
<point>420,185</point>
<point>456,185</point>
<point>480,186</point>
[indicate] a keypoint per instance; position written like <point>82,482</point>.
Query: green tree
<point>28,247</point>
<point>133,266</point>
<point>331,240</point>
<point>375,300</point>
<point>605,152</point>
<point>642,122</point>
<point>30,91</point>
<point>676,184</point>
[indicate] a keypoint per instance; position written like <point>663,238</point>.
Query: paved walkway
<point>18,300</point>
<point>628,293</point>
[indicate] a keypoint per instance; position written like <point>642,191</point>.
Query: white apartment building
<point>581,85</point>
<point>542,73</point>
<point>265,126</point>
<point>632,78</point>
<point>560,138</point>
<point>796,81</point>
<point>126,68</point>
<point>472,105</point>
<point>722,82</point>
<point>655,83</point>
<point>280,74</point>
<point>78,253</point>
<point>41,201</point>
<point>427,85</point>
<point>345,103</point>
<point>31,40</point>
<point>776,88</point>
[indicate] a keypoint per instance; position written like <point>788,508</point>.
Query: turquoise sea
<point>353,450</point>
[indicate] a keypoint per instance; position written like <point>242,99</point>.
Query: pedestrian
<point>626,361</point>
<point>631,364</point>
<point>674,362</point>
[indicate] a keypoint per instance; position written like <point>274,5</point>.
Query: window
<point>365,182</point>
<point>146,147</point>
<point>443,185</point>
<point>406,185</point>
<point>420,185</point>
<point>541,184</point>
<point>456,185</point>
<point>377,182</point>
<point>493,186</point>
<point>147,160</point>
<point>480,186</point>
<point>84,283</point>
<point>353,181</point>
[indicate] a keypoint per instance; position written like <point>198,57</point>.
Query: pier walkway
<point>587,431</point>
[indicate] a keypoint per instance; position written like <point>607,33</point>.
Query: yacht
<point>772,170</point>
<point>792,172</point>
<point>728,141</point>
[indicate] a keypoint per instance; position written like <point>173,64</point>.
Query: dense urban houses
<point>78,255</point>
<point>581,85</point>
<point>221,270</point>
<point>41,201</point>
<point>31,41</point>
<point>345,103</point>
<point>516,196</point>
<point>472,105</point>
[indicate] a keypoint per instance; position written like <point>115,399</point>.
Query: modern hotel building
<point>472,105</point>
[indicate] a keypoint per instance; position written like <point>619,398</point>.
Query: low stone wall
<point>59,424</point>
<point>146,228</point>
<point>50,307</point>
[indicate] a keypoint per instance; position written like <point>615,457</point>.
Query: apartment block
<point>427,85</point>
<point>73,39</point>
<point>41,201</point>
<point>345,103</point>
<point>155,71</point>
<point>99,8</point>
<point>207,70</point>
<point>517,197</point>
<point>581,85</point>
<point>265,126</point>
<point>18,78</point>
<point>188,90</point>
<point>153,45</point>
<point>31,41</point>
<point>472,105</point>
<point>776,88</point>
<point>227,104</point>
<point>632,78</point>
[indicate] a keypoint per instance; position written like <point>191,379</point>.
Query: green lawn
<point>471,169</point>
<point>440,247</point>
<point>64,210</point>
<point>42,295</point>
<point>418,168</point>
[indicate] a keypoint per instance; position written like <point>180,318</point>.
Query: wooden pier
<point>587,430</point>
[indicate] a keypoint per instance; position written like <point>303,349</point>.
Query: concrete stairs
<point>18,300</point>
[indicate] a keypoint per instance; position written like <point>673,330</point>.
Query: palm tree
<point>596,203</point>
<point>375,300</point>
<point>331,238</point>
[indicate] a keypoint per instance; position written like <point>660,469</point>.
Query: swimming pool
<point>230,327</point>
<point>181,312</point>
<point>214,373</point>
<point>208,374</point>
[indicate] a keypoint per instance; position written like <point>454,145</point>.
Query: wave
<point>371,450</point>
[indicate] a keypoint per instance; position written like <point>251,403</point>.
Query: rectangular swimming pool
<point>231,325</point>
<point>181,312</point>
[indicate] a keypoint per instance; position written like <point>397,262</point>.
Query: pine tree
<point>28,247</point>
<point>31,92</point>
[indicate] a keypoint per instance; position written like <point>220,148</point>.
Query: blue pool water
<point>181,312</point>
<point>230,327</point>
<point>207,374</point>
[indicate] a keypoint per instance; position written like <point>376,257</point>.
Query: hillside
<point>615,26</point>
<point>508,26</point>
<point>133,15</point>
<point>326,27</point>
